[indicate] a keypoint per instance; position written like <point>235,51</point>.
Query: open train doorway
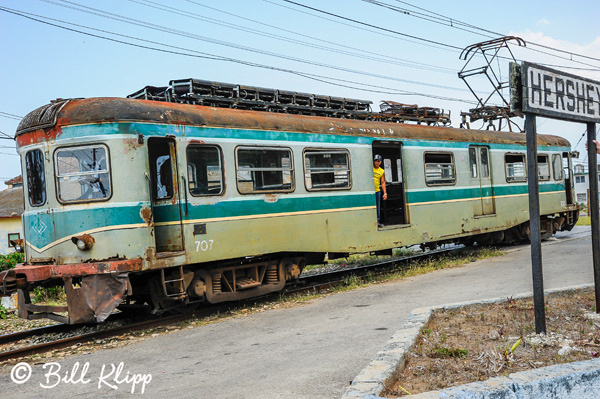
<point>393,210</point>
<point>166,209</point>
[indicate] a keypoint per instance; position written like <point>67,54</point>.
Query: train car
<point>157,204</point>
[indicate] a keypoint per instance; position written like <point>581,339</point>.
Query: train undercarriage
<point>92,298</point>
<point>177,287</point>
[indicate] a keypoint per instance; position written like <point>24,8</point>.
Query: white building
<point>582,183</point>
<point>11,209</point>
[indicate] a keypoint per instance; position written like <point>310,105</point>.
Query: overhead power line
<point>197,54</point>
<point>360,27</point>
<point>10,116</point>
<point>5,136</point>
<point>454,23</point>
<point>344,49</point>
<point>445,22</point>
<point>136,22</point>
<point>374,26</point>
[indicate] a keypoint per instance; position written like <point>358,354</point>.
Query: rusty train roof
<point>46,122</point>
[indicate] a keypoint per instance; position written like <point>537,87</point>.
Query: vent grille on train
<point>42,117</point>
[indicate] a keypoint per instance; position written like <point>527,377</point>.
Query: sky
<point>404,51</point>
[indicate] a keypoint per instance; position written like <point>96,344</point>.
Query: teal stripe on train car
<point>249,207</point>
<point>43,228</point>
<point>152,129</point>
<point>39,228</point>
<point>452,194</point>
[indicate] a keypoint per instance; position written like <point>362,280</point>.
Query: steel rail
<point>34,332</point>
<point>321,280</point>
<point>54,328</point>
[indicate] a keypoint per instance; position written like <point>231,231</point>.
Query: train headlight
<point>83,242</point>
<point>18,245</point>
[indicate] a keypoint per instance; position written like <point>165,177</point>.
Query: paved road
<point>309,351</point>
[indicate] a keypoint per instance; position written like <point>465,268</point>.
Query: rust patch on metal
<point>8,282</point>
<point>47,272</point>
<point>146,214</point>
<point>131,145</point>
<point>96,297</point>
<point>150,254</point>
<point>37,136</point>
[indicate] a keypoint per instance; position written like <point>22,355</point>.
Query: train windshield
<point>36,179</point>
<point>82,174</point>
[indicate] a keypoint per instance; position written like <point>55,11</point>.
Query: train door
<point>393,210</point>
<point>479,163</point>
<point>166,209</point>
<point>568,176</point>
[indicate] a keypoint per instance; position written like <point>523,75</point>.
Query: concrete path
<point>309,351</point>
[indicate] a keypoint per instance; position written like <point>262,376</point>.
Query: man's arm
<point>383,186</point>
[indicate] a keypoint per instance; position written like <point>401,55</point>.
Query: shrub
<point>11,260</point>
<point>50,294</point>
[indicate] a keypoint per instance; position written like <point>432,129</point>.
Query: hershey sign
<point>553,93</point>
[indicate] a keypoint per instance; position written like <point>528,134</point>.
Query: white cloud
<point>542,22</point>
<point>591,49</point>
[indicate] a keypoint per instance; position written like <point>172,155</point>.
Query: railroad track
<point>315,282</point>
<point>87,337</point>
<point>329,279</point>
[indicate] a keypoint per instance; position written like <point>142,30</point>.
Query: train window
<point>516,169</point>
<point>557,166</point>
<point>205,171</point>
<point>473,161</point>
<point>324,170</point>
<point>262,170</point>
<point>398,170</point>
<point>36,177</point>
<point>485,162</point>
<point>161,152</point>
<point>439,169</point>
<point>82,174</point>
<point>543,167</point>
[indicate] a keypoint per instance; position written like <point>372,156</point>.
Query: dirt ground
<point>464,345</point>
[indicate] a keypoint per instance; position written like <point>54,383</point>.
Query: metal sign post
<point>593,209</point>
<point>538,90</point>
<point>534,224</point>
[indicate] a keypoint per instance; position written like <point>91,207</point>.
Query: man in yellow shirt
<point>378,175</point>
